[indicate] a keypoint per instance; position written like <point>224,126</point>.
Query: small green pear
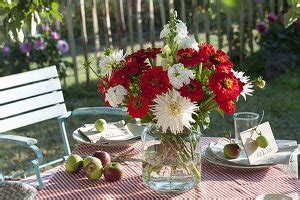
<point>100,125</point>
<point>74,163</point>
<point>261,141</point>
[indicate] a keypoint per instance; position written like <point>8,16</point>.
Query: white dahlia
<point>179,75</point>
<point>115,95</point>
<point>188,42</point>
<point>108,62</point>
<point>247,88</point>
<point>173,111</point>
<point>181,31</point>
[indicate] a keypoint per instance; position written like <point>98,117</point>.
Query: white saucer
<point>135,132</point>
<point>273,197</point>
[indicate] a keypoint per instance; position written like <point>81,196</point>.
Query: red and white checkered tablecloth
<point>217,182</point>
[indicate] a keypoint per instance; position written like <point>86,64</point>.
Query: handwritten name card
<point>254,152</point>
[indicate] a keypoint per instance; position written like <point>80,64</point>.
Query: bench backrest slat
<point>32,117</point>
<point>28,77</point>
<point>30,97</point>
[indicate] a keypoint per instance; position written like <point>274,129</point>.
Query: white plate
<point>134,136</point>
<point>208,155</point>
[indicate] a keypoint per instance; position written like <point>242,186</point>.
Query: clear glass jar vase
<point>171,163</point>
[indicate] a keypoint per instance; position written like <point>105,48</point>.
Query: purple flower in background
<point>25,47</point>
<point>62,46</point>
<point>272,17</point>
<point>258,1</point>
<point>55,35</point>
<point>5,49</point>
<point>39,44</point>
<point>261,27</point>
<point>46,27</point>
<point>297,24</point>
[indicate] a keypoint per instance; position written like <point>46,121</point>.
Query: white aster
<point>188,42</point>
<point>173,111</point>
<point>247,88</point>
<point>181,31</point>
<point>179,75</point>
<point>108,62</point>
<point>115,95</point>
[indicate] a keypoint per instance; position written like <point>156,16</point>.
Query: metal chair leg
<point>37,173</point>
<point>64,136</point>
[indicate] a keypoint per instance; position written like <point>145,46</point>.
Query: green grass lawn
<point>279,100</point>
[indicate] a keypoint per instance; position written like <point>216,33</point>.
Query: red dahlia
<point>227,106</point>
<point>188,57</point>
<point>138,107</point>
<point>148,53</point>
<point>193,91</point>
<point>154,81</point>
<point>225,86</point>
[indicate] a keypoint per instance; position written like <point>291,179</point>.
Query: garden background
<point>252,32</point>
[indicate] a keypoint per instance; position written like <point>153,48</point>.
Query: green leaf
<point>146,119</point>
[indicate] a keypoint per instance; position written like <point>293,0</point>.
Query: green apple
<point>261,141</point>
<point>93,168</point>
<point>232,151</point>
<point>74,163</point>
<point>100,125</point>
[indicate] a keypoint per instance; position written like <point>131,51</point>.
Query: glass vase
<point>171,162</point>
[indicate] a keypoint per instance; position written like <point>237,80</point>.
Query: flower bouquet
<point>173,89</point>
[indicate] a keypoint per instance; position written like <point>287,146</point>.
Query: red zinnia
<point>205,51</point>
<point>188,57</point>
<point>120,77</point>
<point>221,61</point>
<point>134,66</point>
<point>193,91</point>
<point>227,106</point>
<point>209,56</point>
<point>225,85</point>
<point>154,81</point>
<point>138,107</point>
<point>148,53</point>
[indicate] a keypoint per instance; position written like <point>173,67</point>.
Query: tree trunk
<point>229,33</point>
<point>139,22</point>
<point>129,21</point>
<point>171,6</point>
<point>84,39</point>
<point>162,12</point>
<point>71,39</point>
<point>108,38</point>
<point>250,24</point>
<point>96,31</point>
<point>152,28</point>
<point>206,22</point>
<point>219,32</point>
<point>182,11</point>
<point>242,31</point>
<point>118,24</point>
<point>195,18</point>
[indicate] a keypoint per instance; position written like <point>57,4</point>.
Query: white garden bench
<point>35,96</point>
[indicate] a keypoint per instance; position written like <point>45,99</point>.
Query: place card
<point>254,152</point>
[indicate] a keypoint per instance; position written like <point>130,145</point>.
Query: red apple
<point>232,151</point>
<point>103,156</point>
<point>113,172</point>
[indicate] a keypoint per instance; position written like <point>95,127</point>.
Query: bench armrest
<point>19,140</point>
